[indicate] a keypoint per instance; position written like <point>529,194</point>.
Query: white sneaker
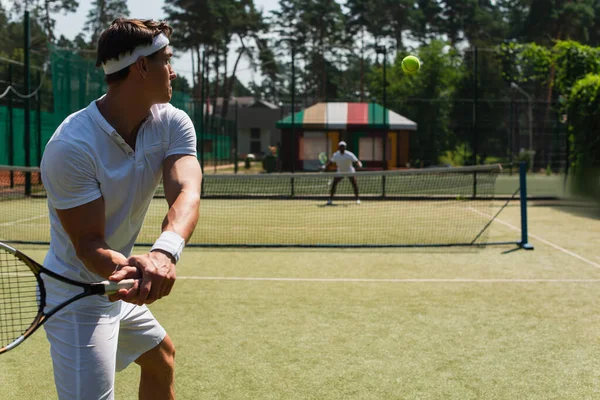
<point>357,201</point>
<point>329,202</point>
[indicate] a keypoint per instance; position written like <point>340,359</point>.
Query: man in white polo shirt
<point>101,168</point>
<point>344,160</point>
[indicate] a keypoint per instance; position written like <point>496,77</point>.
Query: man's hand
<point>157,273</point>
<point>125,272</point>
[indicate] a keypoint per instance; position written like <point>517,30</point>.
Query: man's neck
<point>122,108</point>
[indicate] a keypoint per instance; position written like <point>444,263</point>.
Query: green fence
<point>12,148</point>
<point>71,83</point>
<point>216,137</point>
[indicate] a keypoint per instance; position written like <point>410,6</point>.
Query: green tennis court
<point>292,222</point>
<point>463,323</point>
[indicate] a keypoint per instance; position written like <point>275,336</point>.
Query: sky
<point>71,24</point>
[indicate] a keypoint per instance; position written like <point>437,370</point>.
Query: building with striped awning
<point>363,126</point>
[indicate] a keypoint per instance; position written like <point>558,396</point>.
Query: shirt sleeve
<point>182,134</point>
<point>69,176</point>
<point>334,157</point>
<point>354,158</point>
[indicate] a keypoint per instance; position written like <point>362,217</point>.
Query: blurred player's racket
<point>323,158</point>
<point>23,296</point>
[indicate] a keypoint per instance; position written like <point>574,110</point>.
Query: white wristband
<point>170,242</point>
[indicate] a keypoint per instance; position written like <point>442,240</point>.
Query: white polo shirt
<point>86,159</point>
<point>344,161</point>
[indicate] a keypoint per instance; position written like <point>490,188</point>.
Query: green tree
<point>291,32</point>
<point>400,14</point>
<point>574,61</point>
<point>427,17</point>
<point>13,38</point>
<point>213,26</point>
<point>514,14</point>
<point>246,24</point>
<point>426,98</point>
<point>528,65</point>
<point>315,28</point>
<point>101,14</point>
<point>595,31</point>
<point>269,87</point>
<point>196,28</point>
<point>182,85</point>
<point>42,10</point>
<point>583,109</point>
<point>479,22</point>
<point>559,20</point>
<point>367,28</point>
<point>393,24</point>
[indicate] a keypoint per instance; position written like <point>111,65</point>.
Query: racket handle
<point>111,288</point>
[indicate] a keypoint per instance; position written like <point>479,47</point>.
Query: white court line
<point>23,220</point>
<point>557,247</point>
<point>363,280</point>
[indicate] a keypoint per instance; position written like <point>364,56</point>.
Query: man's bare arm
<point>85,226</point>
<point>182,179</point>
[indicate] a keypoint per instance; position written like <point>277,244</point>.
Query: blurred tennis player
<point>344,160</point>
<point>101,168</point>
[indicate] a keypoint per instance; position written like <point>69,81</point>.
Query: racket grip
<point>111,288</point>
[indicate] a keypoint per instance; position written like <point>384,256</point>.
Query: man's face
<point>341,148</point>
<point>160,75</point>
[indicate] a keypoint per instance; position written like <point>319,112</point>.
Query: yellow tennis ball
<point>411,65</point>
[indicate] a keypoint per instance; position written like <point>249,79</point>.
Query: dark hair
<point>122,37</point>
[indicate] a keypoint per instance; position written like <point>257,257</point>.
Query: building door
<point>255,145</point>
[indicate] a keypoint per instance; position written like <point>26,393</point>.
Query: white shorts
<point>93,338</point>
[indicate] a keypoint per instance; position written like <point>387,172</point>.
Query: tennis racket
<point>323,160</point>
<point>23,296</point>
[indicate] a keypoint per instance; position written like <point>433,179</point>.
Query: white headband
<point>125,60</point>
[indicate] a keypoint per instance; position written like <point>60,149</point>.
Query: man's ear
<point>142,66</point>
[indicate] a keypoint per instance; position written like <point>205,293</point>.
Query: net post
<point>524,243</point>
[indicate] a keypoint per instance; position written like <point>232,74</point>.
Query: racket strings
<point>19,298</point>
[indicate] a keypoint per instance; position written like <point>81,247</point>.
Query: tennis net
<point>414,208</point>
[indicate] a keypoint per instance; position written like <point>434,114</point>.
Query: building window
<point>255,145</point>
<point>312,144</point>
<point>371,148</point>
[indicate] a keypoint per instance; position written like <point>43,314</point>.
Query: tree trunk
<point>226,93</point>
<point>542,142</point>
<point>232,80</point>
<point>362,66</point>
<point>48,22</point>
<point>206,86</point>
<point>196,71</point>
<point>216,98</point>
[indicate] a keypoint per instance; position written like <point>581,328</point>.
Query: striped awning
<point>344,115</point>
